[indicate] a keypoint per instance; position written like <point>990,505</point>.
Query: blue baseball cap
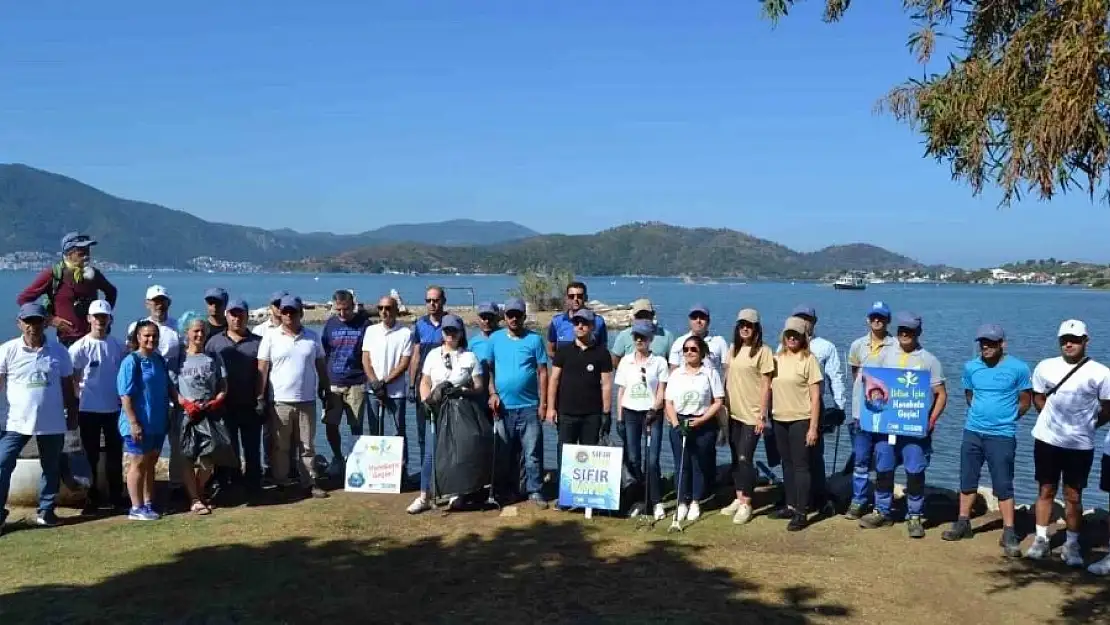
<point>643,328</point>
<point>76,239</point>
<point>909,320</point>
<point>452,321</point>
<point>290,301</point>
<point>277,296</point>
<point>217,294</point>
<point>699,308</point>
<point>990,332</point>
<point>879,309</point>
<point>488,308</point>
<point>32,310</point>
<point>237,304</point>
<point>804,310</point>
<point>584,314</point>
<point>515,304</point>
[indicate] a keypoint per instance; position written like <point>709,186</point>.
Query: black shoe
<point>1010,544</point>
<point>855,512</point>
<point>797,523</point>
<point>875,520</point>
<point>91,509</point>
<point>960,530</point>
<point>781,514</point>
<point>47,518</point>
<point>915,527</point>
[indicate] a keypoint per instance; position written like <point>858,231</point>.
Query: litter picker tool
<point>676,526</point>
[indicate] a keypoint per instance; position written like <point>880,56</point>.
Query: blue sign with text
<point>894,401</point>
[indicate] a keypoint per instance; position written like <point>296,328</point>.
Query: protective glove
<point>684,427</point>
<point>653,415</point>
<point>215,404</point>
<point>438,394</point>
<point>377,389</point>
<point>191,408</point>
<point>606,423</point>
<point>262,409</point>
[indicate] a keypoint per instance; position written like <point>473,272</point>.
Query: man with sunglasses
<point>215,300</point>
<point>1072,396</point>
<point>662,339</point>
<point>998,391</point>
<point>866,351</point>
<point>699,326</point>
<point>387,352</point>
<point>427,334</point>
<point>518,394</point>
<point>561,333</point>
<point>913,453</point>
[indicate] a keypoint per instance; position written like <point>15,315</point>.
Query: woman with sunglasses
<point>796,410</point>
<point>641,381</point>
<point>750,371</point>
<point>694,402</point>
<point>449,363</point>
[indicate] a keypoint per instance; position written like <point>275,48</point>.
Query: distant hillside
<point>38,207</point>
<point>642,248</point>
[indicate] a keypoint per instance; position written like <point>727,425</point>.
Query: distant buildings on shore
<point>35,261</point>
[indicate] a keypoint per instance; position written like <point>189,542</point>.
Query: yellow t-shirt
<point>745,379</point>
<point>794,375</point>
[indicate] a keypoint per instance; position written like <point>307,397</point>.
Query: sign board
<point>590,477</point>
<point>896,402</point>
<point>374,465</point>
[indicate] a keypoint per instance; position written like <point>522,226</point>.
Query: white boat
<point>850,282</point>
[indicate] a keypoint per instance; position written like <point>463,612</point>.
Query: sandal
<point>200,508</point>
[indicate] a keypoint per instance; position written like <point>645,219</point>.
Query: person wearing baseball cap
<point>489,321</point>
<point>69,287</point>
<point>96,363</point>
<point>998,390</point>
<point>272,322</point>
<point>37,378</point>
<point>158,304</point>
<point>866,351</point>
<point>215,299</point>
<point>518,398</point>
<point>662,339</point>
<point>913,452</point>
<point>699,320</point>
<point>1072,395</point>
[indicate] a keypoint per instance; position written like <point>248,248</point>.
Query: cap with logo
<point>908,320</point>
<point>584,314</point>
<point>32,310</point>
<point>804,310</point>
<point>750,315</point>
<point>796,324</point>
<point>642,305</point>
<point>699,308</point>
<point>216,294</point>
<point>100,307</point>
<point>643,328</point>
<point>156,291</point>
<point>237,305</point>
<point>879,309</point>
<point>487,308</point>
<point>453,321</point>
<point>515,304</point>
<point>276,297</point>
<point>990,332</point>
<point>290,301</point>
<point>76,239</point>
<point>1072,327</point>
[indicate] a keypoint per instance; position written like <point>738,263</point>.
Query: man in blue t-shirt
<point>518,388</point>
<point>489,321</point>
<point>999,390</point>
<point>561,330</point>
<point>427,334</point>
<point>342,342</point>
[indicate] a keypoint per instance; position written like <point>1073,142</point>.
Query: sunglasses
<point>878,319</point>
<point>699,317</point>
<point>639,337</point>
<point>434,300</point>
<point>576,296</point>
<point>385,309</point>
<point>792,336</point>
<point>447,360</point>
<point>1071,338</point>
<point>643,375</point>
<point>693,349</point>
<point>985,344</point>
<point>514,314</point>
<point>746,325</point>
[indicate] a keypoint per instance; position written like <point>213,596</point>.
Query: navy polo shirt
<point>427,335</point>
<point>561,331</point>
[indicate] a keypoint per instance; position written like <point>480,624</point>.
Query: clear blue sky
<point>562,116</point>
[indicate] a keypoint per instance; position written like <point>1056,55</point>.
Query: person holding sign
<point>694,402</point>
<point>1072,396</point>
<point>447,368</point>
<point>641,383</point>
<point>998,391</point>
<point>796,412</point>
<point>913,451</point>
<point>749,398</point>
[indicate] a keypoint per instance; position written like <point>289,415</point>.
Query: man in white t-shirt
<point>387,351</point>
<point>699,326</point>
<point>292,361</point>
<point>1072,396</point>
<point>272,322</point>
<point>96,361</point>
<point>37,377</point>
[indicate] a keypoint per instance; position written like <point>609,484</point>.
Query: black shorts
<point>1051,463</point>
<point>1104,480</point>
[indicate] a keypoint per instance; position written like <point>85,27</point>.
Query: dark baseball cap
<point>277,296</point>
<point>76,239</point>
<point>515,304</point>
<point>291,301</point>
<point>237,304</point>
<point>699,308</point>
<point>488,308</point>
<point>453,321</point>
<point>908,320</point>
<point>216,294</point>
<point>32,310</point>
<point>584,314</point>
<point>990,332</point>
<point>643,328</point>
<point>804,310</point>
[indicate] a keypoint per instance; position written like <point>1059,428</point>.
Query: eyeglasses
<point>576,296</point>
<point>385,309</point>
<point>792,336</point>
<point>433,300</point>
<point>691,350</point>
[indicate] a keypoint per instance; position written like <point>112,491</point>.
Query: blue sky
<point>562,116</point>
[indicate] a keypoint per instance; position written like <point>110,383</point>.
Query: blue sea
<point>951,313</point>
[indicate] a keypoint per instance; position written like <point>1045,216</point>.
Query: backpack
<point>56,273</point>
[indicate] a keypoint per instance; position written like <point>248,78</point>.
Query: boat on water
<point>850,282</point>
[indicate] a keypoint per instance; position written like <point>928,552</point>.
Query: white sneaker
<point>1038,550</point>
<point>418,505</point>
<point>682,510</point>
<point>1102,567</point>
<point>695,512</point>
<point>731,508</point>
<point>660,512</point>
<point>743,514</point>
<point>454,503</point>
<point>1072,555</point>
<point>636,510</point>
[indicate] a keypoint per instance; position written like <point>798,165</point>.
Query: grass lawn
<point>361,559</point>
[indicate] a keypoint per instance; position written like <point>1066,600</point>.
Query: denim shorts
<point>998,452</point>
<point>150,442</point>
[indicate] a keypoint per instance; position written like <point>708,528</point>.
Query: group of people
<point>208,382</point>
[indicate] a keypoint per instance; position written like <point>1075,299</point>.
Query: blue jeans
<point>50,459</point>
<point>631,428</point>
<point>914,454</point>
<point>998,452</point>
<point>427,471</point>
<point>522,430</point>
<point>699,462</point>
<point>862,443</point>
<point>394,412</point>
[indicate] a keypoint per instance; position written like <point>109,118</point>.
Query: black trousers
<point>797,458</point>
<point>92,424</point>
<point>742,441</point>
<point>245,429</point>
<point>579,429</point>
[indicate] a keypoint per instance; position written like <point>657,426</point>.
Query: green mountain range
<point>38,207</point>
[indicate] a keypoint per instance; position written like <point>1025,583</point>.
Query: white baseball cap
<point>157,291</point>
<point>1072,327</point>
<point>100,307</point>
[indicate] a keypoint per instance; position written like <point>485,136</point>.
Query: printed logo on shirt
<point>590,367</point>
<point>638,390</point>
<point>689,402</point>
<point>40,375</point>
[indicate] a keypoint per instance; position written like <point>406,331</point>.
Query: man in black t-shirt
<point>581,386</point>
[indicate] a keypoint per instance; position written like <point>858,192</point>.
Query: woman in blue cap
<point>641,381</point>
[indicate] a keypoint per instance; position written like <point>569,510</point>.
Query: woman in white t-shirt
<point>450,363</point>
<point>641,383</point>
<point>694,402</point>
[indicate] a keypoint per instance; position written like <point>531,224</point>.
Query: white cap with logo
<point>1072,327</point>
<point>100,307</point>
<point>157,291</point>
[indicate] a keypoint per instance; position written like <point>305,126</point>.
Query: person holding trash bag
<point>201,389</point>
<point>450,373</point>
<point>694,402</point>
<point>641,381</point>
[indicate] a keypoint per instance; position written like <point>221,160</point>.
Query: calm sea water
<point>951,314</point>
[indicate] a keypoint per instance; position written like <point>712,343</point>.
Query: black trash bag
<point>207,437</point>
<point>464,447</point>
<point>632,488</point>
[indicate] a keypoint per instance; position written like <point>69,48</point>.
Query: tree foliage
<point>1024,103</point>
<point>542,288</point>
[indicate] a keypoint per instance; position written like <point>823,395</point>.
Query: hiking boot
<point>960,530</point>
<point>875,520</point>
<point>538,501</point>
<point>781,514</point>
<point>732,508</point>
<point>1009,542</point>
<point>743,514</point>
<point>797,523</point>
<point>695,511</point>
<point>660,512</point>
<point>1039,549</point>
<point>47,518</point>
<point>418,505</point>
<point>1072,555</point>
<point>855,511</point>
<point>914,527</point>
<point>1102,567</point>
